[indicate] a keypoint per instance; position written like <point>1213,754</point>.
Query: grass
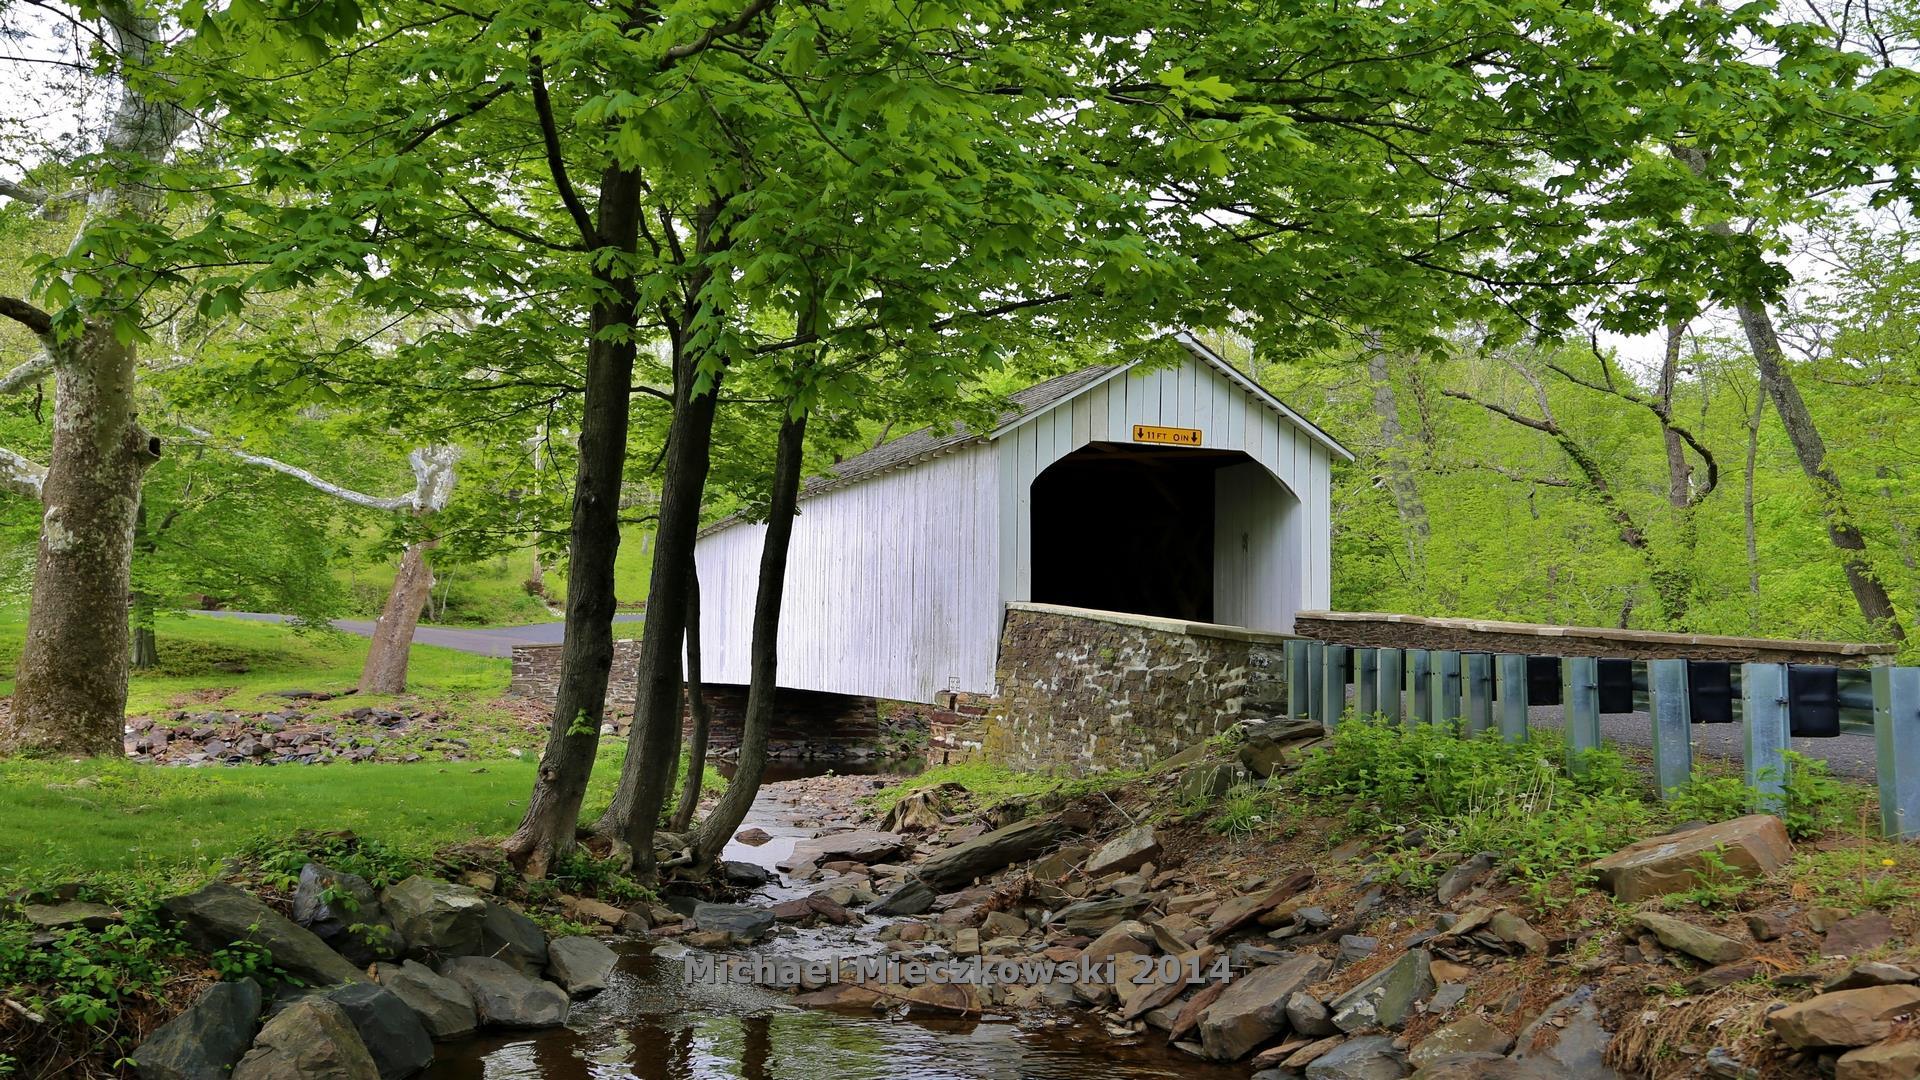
<point>492,591</point>
<point>996,783</point>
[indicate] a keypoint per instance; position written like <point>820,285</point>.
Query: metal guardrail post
<point>1765,730</point>
<point>1896,740</point>
<point>1334,684</point>
<point>1580,695</point>
<point>1419,674</point>
<point>1513,697</point>
<point>1446,687</point>
<point>1392,673</point>
<point>1299,679</point>
<point>1366,681</point>
<point>1476,682</point>
<point>1672,724</point>
<point>1316,682</point>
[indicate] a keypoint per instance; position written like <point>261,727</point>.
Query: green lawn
<point>492,591</point>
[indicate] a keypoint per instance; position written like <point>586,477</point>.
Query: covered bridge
<point>1181,491</point>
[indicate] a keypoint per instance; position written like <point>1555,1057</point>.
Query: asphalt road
<point>487,641</point>
<point>1846,755</point>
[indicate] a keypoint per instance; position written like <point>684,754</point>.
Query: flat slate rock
<point>205,1041</point>
<point>504,997</point>
<point>580,965</point>
<point>219,915</point>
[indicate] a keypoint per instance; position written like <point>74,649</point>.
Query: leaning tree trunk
<point>586,652</point>
<point>1393,458</point>
<point>385,671</point>
<point>648,768</point>
<point>71,693</point>
<point>699,710</point>
<point>764,655</point>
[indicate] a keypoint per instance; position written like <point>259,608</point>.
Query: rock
<point>1233,914</point>
<point>1126,936</point>
<point>1872,973</point>
<point>219,915</point>
<point>1862,933</point>
<point>1488,1067</point>
<point>989,852</point>
<point>1353,948</point>
<point>1372,1058</point>
<point>1697,942</point>
<point>1206,783</point>
<point>1467,1035</point>
<point>311,1039</point>
<point>1767,926</point>
<point>444,1007</point>
<point>1190,1014</point>
<point>1446,996</point>
<point>1000,924</point>
<point>1751,846</point>
<point>858,845</point>
<point>594,911</point>
<point>505,998</point>
<point>1254,1007</point>
<point>435,919</point>
<point>1844,1018</point>
<point>56,917</point>
<point>205,1041</point>
<point>1095,916</point>
<point>1568,1036</point>
<point>330,903</point>
<point>753,837</point>
<point>1463,877</point>
<point>393,1033</point>
<point>911,898</point>
<point>1307,1015</point>
<point>506,934</point>
<point>1128,851</point>
<point>919,811</point>
<point>1823,919</point>
<point>743,875</point>
<point>1890,1060</point>
<point>1388,997</point>
<point>480,881</point>
<point>1514,930</point>
<point>742,923</point>
<point>1263,756</point>
<point>1725,975</point>
<point>581,965</point>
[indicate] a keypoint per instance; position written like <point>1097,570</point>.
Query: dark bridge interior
<point>1118,527</point>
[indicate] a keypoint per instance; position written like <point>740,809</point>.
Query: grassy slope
<point>491,592</point>
<point>64,817</point>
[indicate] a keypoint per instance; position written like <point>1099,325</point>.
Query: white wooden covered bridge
<point>1184,491</point>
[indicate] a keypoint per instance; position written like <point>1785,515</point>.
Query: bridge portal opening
<point>1146,530</point>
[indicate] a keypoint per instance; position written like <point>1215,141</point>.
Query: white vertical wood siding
<point>1294,571</point>
<point>891,585</point>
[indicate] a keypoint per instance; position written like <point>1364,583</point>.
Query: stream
<point>650,1025</point>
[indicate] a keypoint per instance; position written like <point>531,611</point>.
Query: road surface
<point>481,641</point>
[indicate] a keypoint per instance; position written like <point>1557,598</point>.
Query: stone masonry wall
<point>1085,692</point>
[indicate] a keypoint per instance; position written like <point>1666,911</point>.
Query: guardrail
<point>1487,691</point>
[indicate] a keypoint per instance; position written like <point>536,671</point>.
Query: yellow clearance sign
<point>1168,436</point>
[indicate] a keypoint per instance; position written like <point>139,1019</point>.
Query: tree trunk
<point>648,767</point>
<point>1679,472</point>
<point>586,653</point>
<point>71,693</point>
<point>698,710</point>
<point>1406,494</point>
<point>146,646</point>
<point>1753,538</point>
<point>1875,605</point>
<point>764,652</point>
<point>385,671</point>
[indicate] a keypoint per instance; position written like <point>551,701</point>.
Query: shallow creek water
<point>650,1025</point>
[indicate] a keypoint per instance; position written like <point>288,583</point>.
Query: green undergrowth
<point>1424,788</point>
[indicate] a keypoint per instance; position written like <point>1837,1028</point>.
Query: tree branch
<point>550,137</point>
<point>371,502</point>
<point>26,315</point>
<point>21,476</point>
<point>27,374</point>
<point>714,33</point>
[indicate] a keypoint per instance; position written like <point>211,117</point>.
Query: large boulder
<point>444,1007</point>
<point>435,919</point>
<point>205,1041</point>
<point>1845,1017</point>
<point>1895,1059</point>
<point>1254,1007</point>
<point>311,1040</point>
<point>990,852</point>
<point>393,1033</point>
<point>1751,846</point>
<point>742,923</point>
<point>581,965</point>
<point>219,915</point>
<point>1130,850</point>
<point>1386,999</point>
<point>506,934</point>
<point>332,902</point>
<point>506,998</point>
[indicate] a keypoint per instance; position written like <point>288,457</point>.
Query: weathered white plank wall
<point>1190,395</point>
<point>891,585</point>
